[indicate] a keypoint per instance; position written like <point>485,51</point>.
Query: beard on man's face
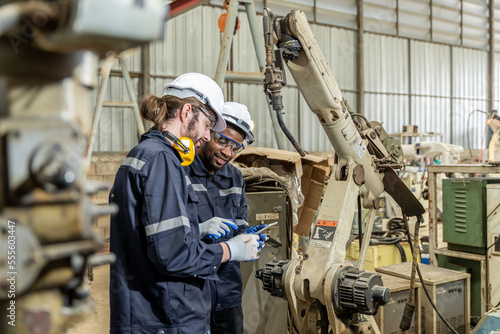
<point>192,133</point>
<point>212,158</point>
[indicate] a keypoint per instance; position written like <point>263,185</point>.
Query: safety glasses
<point>224,141</point>
<point>210,117</point>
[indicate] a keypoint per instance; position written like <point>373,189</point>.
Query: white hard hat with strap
<point>238,116</point>
<point>204,89</point>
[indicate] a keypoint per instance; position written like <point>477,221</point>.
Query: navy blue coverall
<point>222,194</point>
<point>160,280</point>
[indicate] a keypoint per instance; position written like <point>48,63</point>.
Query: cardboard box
<point>312,186</point>
<point>306,217</point>
<point>312,171</point>
<point>266,157</point>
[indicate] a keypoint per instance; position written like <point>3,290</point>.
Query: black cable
<point>360,223</point>
<point>387,239</point>
<point>493,211</point>
<point>401,251</point>
<point>493,244</point>
<point>468,132</point>
<point>288,134</point>
<point>425,289</point>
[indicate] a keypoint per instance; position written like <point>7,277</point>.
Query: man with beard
<point>222,209</point>
<point>159,282</point>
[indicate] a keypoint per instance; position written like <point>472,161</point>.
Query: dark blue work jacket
<point>222,194</point>
<point>159,282</point>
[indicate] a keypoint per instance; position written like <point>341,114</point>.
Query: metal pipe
<point>245,77</point>
<point>258,41</point>
<point>433,230</point>
<point>117,104</point>
<point>366,239</point>
<point>269,59</point>
<point>491,58</point>
<point>360,59</point>
<point>227,39</point>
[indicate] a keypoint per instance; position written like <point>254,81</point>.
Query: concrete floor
<point>98,323</point>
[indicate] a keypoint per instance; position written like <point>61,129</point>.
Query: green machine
<point>468,226</point>
<point>464,214</point>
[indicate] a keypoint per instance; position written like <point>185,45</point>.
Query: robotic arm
<point>322,292</point>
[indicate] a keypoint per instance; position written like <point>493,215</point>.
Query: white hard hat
<point>202,88</point>
<point>237,115</point>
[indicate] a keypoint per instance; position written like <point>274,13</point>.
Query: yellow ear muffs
<point>187,158</point>
<point>184,146</point>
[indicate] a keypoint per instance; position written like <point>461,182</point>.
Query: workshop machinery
<point>393,310</point>
<point>449,291</point>
<point>49,52</point>
<point>417,157</point>
<point>323,293</point>
<point>263,313</point>
<point>471,226</point>
<point>434,151</point>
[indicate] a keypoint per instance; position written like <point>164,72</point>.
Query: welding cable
<point>497,241</point>
<point>12,13</point>
<point>489,214</point>
<point>389,238</point>
<point>360,223</point>
<point>401,251</point>
<point>425,289</point>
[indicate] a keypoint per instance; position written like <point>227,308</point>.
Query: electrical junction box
<point>379,255</point>
<point>389,315</point>
<point>449,291</point>
<point>264,313</point>
<point>464,214</point>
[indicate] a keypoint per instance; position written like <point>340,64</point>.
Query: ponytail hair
<point>160,110</point>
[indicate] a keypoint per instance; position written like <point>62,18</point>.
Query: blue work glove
<point>244,247</point>
<point>216,227</point>
<point>262,236</point>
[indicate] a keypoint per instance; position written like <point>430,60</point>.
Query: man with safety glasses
<point>222,209</point>
<point>159,282</point>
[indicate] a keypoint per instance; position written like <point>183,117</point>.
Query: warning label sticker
<point>323,233</point>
